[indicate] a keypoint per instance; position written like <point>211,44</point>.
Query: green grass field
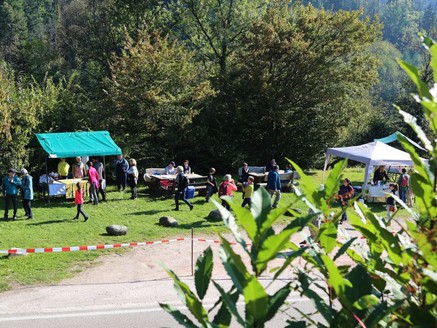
<point>53,226</point>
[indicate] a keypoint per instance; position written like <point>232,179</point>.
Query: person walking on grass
<point>211,187</point>
<point>274,185</point>
<point>345,193</point>
<point>78,200</point>
<point>10,185</point>
<point>248,192</point>
<point>390,201</point>
<point>27,192</point>
<point>181,182</point>
<point>226,188</point>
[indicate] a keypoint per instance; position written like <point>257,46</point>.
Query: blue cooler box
<point>189,192</point>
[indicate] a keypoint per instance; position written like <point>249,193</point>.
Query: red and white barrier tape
<point>86,248</point>
<point>98,247</point>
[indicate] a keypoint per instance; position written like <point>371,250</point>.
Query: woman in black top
<point>380,175</point>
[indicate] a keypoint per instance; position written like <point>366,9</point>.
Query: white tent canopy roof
<point>373,153</point>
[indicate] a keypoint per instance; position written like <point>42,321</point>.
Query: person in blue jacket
<point>274,185</point>
<point>27,192</point>
<point>10,185</point>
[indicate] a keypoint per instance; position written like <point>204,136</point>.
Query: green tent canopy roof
<point>72,144</point>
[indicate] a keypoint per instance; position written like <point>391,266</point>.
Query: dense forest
<point>218,82</point>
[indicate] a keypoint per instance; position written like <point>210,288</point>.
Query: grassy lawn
<point>53,226</point>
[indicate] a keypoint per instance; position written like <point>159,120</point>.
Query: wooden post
<point>192,252</point>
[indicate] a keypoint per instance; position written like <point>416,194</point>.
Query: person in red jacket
<point>226,188</point>
<point>78,200</point>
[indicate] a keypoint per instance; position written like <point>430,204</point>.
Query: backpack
<point>404,181</point>
<point>223,189</point>
<point>183,182</point>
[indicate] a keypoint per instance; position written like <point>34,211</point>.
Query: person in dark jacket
<point>181,182</point>
<point>345,193</point>
<point>244,173</point>
<point>10,185</point>
<point>27,192</point>
<point>274,185</point>
<point>380,175</point>
<point>121,167</point>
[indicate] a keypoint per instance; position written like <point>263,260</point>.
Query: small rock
<point>168,221</point>
<point>215,215</point>
<point>116,230</point>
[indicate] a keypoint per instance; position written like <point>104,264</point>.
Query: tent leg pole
<point>47,175</point>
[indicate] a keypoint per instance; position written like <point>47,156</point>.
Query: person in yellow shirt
<point>248,192</point>
<point>63,168</point>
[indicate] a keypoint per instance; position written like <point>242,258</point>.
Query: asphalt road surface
<point>132,304</point>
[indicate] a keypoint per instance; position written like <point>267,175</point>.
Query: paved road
<point>133,304</point>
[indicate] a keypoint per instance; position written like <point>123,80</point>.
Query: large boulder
<point>168,221</point>
<point>116,230</point>
<point>215,215</point>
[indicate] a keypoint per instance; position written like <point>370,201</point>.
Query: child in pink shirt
<point>78,200</point>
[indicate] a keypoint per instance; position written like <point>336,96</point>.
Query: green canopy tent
<point>72,144</point>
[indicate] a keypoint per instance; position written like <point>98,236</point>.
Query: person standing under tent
<point>410,194</point>
<point>99,167</point>
<point>404,185</point>
<point>121,167</point>
<point>78,168</point>
<point>380,175</point>
<point>93,179</point>
<point>63,168</point>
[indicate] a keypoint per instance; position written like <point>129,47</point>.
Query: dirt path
<point>143,263</point>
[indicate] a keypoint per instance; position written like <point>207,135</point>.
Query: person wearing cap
<point>27,192</point>
<point>10,185</point>
<point>121,167</point>
<point>170,168</point>
<point>63,168</point>
<point>78,168</point>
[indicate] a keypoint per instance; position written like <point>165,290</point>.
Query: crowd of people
<point>126,173</point>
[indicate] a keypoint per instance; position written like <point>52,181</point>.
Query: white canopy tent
<point>371,154</point>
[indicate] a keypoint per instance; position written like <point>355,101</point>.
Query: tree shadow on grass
<point>150,212</point>
<point>51,222</point>
<point>196,224</point>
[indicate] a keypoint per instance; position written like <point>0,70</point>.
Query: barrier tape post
<point>192,252</point>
